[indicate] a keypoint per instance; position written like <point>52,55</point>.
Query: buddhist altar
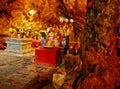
<point>18,46</point>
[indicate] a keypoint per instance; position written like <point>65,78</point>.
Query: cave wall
<point>97,27</point>
<point>99,45</point>
<point>102,19</point>
<point>102,28</point>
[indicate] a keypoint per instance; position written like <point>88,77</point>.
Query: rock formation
<point>96,24</point>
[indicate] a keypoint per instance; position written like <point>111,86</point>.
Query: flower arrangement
<point>35,33</point>
<point>23,32</point>
<point>12,30</point>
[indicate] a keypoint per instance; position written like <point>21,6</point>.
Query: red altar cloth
<point>35,43</point>
<point>47,56</point>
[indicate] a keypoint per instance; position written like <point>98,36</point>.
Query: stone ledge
<point>9,54</point>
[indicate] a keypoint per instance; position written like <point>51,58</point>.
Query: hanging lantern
<point>66,20</point>
<point>71,20</point>
<point>61,19</point>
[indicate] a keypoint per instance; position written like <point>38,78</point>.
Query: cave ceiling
<point>13,12</point>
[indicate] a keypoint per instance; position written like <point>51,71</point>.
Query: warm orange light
<point>32,12</point>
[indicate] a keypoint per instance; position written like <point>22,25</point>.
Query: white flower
<point>71,20</point>
<point>66,20</point>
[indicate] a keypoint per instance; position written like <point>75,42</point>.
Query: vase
<point>24,36</point>
<point>18,35</point>
<point>11,35</point>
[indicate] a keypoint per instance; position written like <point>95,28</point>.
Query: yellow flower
<point>23,31</point>
<point>11,30</point>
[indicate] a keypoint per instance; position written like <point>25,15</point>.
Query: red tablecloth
<point>47,56</point>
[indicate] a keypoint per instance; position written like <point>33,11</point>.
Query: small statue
<point>43,41</point>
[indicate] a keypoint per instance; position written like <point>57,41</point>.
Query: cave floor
<point>21,73</point>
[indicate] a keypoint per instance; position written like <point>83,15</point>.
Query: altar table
<point>47,56</point>
<point>18,46</point>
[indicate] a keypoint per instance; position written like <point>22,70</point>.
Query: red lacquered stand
<point>47,56</point>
